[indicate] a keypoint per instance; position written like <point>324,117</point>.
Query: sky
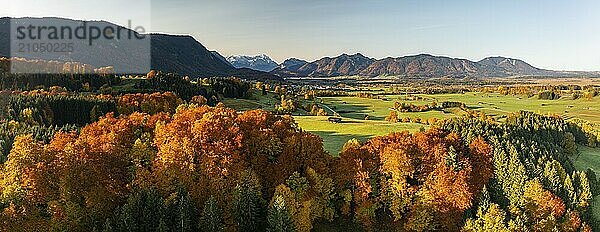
<point>551,34</point>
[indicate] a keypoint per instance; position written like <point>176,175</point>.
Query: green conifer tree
<point>279,219</point>
<point>212,217</point>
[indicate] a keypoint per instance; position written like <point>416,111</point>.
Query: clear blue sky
<point>562,35</point>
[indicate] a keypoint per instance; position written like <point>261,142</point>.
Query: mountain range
<point>260,62</point>
<point>180,54</point>
<point>185,55</point>
<point>423,65</point>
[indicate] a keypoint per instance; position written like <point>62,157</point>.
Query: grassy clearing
<point>256,101</point>
<point>377,109</point>
<point>336,134</point>
<point>588,158</point>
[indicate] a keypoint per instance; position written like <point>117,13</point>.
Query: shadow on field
<point>349,122</point>
<point>474,107</point>
<point>333,142</point>
<point>353,111</point>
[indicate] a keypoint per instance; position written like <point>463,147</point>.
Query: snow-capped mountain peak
<point>260,62</point>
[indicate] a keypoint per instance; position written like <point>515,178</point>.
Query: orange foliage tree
<point>205,149</point>
<point>403,174</point>
<point>148,103</point>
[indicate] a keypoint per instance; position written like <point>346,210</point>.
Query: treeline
<point>213,89</point>
<point>60,110</point>
<point>546,92</point>
<point>410,107</point>
<point>442,88</point>
<point>49,110</point>
<point>43,114</point>
<point>592,131</point>
<point>10,130</point>
<point>73,82</point>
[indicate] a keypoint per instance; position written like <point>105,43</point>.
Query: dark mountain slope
<point>168,53</point>
<point>343,65</point>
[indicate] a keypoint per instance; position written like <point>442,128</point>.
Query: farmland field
<point>354,109</point>
<point>336,134</point>
<point>491,104</point>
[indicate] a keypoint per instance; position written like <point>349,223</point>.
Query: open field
<point>491,104</point>
<point>336,134</point>
<point>354,109</point>
<point>496,104</point>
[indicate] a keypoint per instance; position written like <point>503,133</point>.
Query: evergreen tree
<point>248,205</point>
<point>211,219</point>
<point>162,226</point>
<point>279,219</point>
<point>569,144</point>
<point>142,212</point>
<point>108,226</point>
<point>185,219</point>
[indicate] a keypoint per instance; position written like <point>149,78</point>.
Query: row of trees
<point>213,89</point>
<point>545,92</point>
<point>149,103</point>
<point>73,82</point>
<point>434,105</point>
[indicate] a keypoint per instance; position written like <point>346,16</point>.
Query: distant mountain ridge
<point>186,56</point>
<point>260,62</point>
<point>292,64</point>
<point>180,54</point>
<point>423,65</point>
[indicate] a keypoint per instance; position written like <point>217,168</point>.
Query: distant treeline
<point>546,92</point>
<point>213,89</point>
<point>72,82</point>
<point>409,107</point>
<point>47,110</point>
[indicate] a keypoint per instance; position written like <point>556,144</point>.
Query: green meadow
<point>364,118</point>
<point>336,134</point>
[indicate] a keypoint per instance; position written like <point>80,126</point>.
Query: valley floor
<point>353,111</point>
